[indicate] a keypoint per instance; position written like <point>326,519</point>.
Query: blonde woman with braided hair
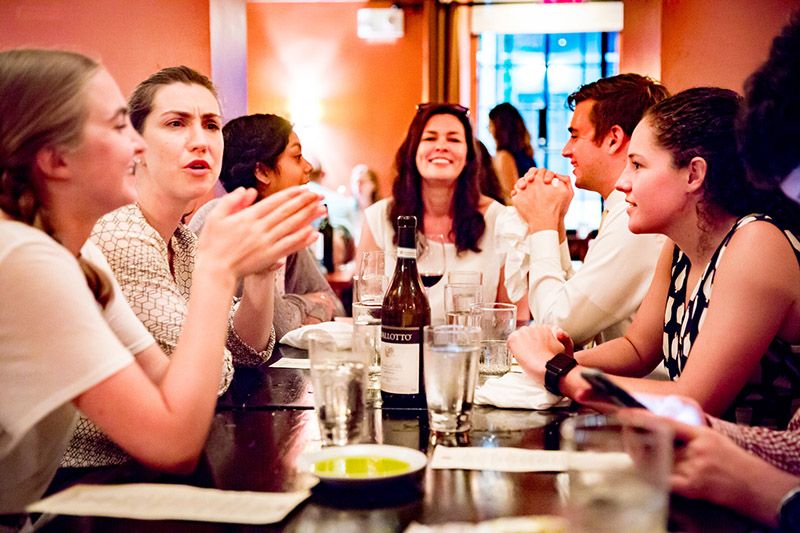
<point>68,340</point>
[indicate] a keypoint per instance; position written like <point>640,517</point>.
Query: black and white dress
<point>772,393</point>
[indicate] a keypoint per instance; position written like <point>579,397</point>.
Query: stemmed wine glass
<point>430,259</point>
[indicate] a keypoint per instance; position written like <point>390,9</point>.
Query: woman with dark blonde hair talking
<point>68,340</point>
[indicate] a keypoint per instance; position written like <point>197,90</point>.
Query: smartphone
<point>605,387</point>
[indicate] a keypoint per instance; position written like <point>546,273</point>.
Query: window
<point>536,73</point>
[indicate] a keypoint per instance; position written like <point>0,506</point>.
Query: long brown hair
<point>42,104</point>
<point>468,222</point>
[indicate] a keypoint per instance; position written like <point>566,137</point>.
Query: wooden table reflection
<point>267,420</point>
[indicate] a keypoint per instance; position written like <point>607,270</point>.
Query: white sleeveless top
<point>489,261</point>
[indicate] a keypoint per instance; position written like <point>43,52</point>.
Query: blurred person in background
<point>489,183</point>
<point>365,190</point>
<point>514,154</point>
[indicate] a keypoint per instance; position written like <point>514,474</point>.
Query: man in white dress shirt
<point>597,302</point>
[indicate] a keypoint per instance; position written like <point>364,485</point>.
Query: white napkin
<point>515,391</point>
<point>510,234</point>
<point>341,331</point>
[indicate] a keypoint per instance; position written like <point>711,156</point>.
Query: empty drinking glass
<point>367,340</point>
<point>451,371</point>
<point>618,474</point>
<point>459,299</point>
<point>339,377</point>
<point>497,321</point>
<point>465,276</point>
<point>370,281</point>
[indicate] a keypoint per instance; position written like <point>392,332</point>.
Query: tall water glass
<point>472,277</point>
<point>339,376</point>
<point>497,321</point>
<point>367,340</point>
<point>459,299</point>
<point>370,281</point>
<point>619,477</point>
<point>450,355</point>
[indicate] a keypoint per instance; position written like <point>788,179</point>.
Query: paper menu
<point>150,501</point>
<point>289,362</point>
<point>522,460</point>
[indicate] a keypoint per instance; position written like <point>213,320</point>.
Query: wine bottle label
<point>400,359</point>
<point>408,253</point>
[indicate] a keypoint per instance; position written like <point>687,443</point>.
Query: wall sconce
<point>305,108</point>
<point>380,24</point>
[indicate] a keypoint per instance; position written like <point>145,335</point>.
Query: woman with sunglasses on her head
<point>437,181</point>
<point>723,309</point>
<point>264,153</point>
<point>152,253</point>
<point>68,340</point>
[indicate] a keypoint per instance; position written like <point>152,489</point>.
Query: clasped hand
<point>542,198</point>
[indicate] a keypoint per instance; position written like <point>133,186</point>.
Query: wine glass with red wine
<point>430,259</point>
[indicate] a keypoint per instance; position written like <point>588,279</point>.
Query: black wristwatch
<point>789,513</point>
<point>555,369</point>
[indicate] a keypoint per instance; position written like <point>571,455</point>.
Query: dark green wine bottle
<point>404,313</point>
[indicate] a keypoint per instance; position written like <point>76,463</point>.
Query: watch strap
<point>555,369</point>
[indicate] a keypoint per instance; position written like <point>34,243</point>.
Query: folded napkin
<point>341,331</point>
<point>515,391</point>
<point>510,233</point>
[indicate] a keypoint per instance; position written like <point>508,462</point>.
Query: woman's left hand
<point>533,346</point>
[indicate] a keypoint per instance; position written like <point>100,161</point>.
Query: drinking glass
<point>459,299</point>
<point>465,276</point>
<point>370,282</point>
<point>339,376</point>
<point>618,474</point>
<point>450,356</point>
<point>497,321</point>
<point>430,259</point>
<point>367,340</point>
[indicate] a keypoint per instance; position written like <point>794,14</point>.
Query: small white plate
<point>358,464</point>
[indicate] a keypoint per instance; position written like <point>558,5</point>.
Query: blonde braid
<point>42,104</point>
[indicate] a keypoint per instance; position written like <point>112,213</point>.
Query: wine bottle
<point>404,313</point>
<point>326,229</point>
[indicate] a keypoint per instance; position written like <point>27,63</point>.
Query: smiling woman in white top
<point>437,181</point>
<point>68,340</point>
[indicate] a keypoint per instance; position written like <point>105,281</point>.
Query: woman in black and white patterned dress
<point>735,353</point>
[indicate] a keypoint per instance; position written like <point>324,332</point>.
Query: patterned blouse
<point>159,297</point>
<point>779,448</point>
<point>772,393</point>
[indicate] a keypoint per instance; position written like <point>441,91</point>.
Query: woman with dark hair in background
<point>264,153</point>
<point>514,154</point>
<point>437,181</point>
<point>733,352</point>
<point>488,182</point>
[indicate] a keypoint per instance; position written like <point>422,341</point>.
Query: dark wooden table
<point>267,420</point>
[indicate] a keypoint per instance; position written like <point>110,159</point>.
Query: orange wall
<point>366,91</point>
<point>640,38</point>
<point>718,42</point>
<point>132,39</point>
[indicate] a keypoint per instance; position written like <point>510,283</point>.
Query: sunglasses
<point>458,108</point>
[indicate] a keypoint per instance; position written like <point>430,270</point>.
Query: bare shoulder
<point>763,247</point>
